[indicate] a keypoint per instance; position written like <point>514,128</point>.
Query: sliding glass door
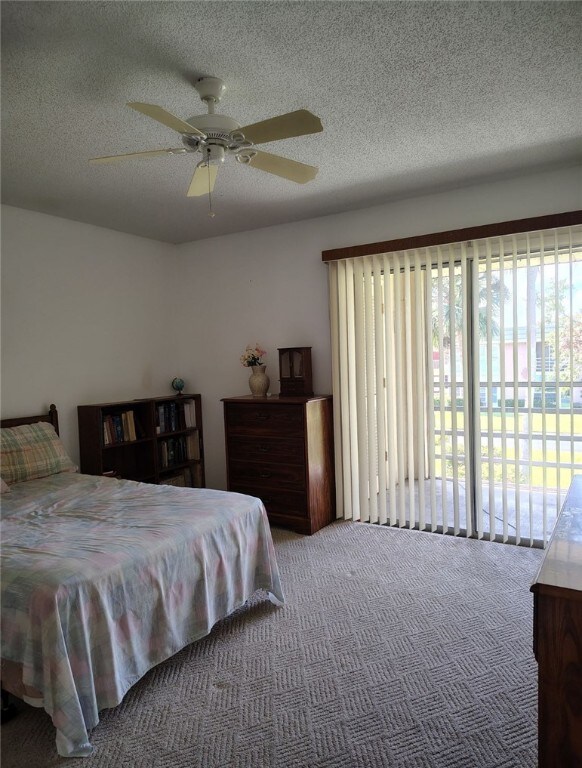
<point>460,405</point>
<point>520,323</point>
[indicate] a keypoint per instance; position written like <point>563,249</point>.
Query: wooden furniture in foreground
<point>154,440</point>
<point>558,639</point>
<point>281,450</point>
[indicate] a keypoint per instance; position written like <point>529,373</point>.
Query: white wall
<point>84,317</point>
<point>270,285</point>
<point>90,315</point>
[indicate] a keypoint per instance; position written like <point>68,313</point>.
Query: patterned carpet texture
<point>394,649</point>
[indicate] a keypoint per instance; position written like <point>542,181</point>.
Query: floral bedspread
<point>103,579</point>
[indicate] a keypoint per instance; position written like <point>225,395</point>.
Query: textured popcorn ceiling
<point>413,96</point>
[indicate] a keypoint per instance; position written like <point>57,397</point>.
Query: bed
<point>102,579</point>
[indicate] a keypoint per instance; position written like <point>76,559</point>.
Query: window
<point>547,360</point>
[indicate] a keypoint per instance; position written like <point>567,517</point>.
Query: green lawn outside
<point>530,475</point>
<point>570,424</point>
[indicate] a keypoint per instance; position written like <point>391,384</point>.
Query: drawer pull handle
<point>262,416</point>
<point>263,449</point>
<point>264,475</point>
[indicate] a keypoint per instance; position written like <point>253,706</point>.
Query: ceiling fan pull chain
<point>211,213</point>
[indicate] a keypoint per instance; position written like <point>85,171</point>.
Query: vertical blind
<point>450,368</point>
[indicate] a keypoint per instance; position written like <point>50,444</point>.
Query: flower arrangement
<point>252,356</point>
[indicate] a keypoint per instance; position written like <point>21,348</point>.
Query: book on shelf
<point>173,451</point>
<point>189,414</point>
<point>131,426</point>
<point>108,430</point>
<point>167,418</point>
<point>161,419</point>
<point>138,426</point>
<point>119,428</point>
<point>193,446</point>
<point>172,416</point>
<point>163,454</point>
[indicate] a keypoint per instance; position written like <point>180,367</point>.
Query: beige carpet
<point>394,648</point>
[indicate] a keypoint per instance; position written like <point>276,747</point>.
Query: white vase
<point>258,381</point>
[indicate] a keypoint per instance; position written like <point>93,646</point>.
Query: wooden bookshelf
<point>153,440</point>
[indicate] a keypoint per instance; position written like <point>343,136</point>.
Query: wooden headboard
<point>52,417</point>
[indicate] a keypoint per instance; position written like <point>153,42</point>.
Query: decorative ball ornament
<point>178,385</point>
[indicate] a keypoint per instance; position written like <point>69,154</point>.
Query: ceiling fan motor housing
<point>214,126</point>
<point>222,135</point>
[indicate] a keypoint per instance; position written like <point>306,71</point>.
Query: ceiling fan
<point>216,136</point>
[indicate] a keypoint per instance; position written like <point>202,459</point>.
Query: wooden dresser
<point>558,639</point>
<point>281,450</point>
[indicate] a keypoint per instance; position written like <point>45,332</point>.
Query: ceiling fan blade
<point>165,118</point>
<point>297,123</point>
<point>132,155</point>
<point>284,167</point>
<point>199,185</point>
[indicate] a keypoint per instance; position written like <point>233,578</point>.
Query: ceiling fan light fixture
<point>213,154</point>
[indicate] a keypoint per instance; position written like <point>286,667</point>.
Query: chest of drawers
<point>558,638</point>
<point>281,450</point>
